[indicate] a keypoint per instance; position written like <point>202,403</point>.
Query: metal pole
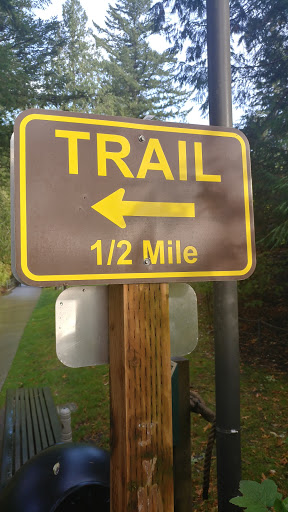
<point>225,293</point>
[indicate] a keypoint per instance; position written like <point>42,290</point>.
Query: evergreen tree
<point>259,61</point>
<point>26,45</point>
<point>259,51</point>
<point>73,74</point>
<point>136,80</point>
<point>269,156</point>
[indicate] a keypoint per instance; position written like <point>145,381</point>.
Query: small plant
<point>262,497</point>
<point>5,273</point>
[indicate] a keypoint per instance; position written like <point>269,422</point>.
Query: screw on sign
<point>96,197</point>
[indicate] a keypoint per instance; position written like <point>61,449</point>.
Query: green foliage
<point>259,53</point>
<point>43,64</point>
<point>269,146</point>
<point>26,43</point>
<point>36,364</point>
<point>136,80</point>
<point>5,134</point>
<point>281,506</point>
<point>4,227</point>
<point>259,65</point>
<point>263,398</point>
<point>205,290</point>
<point>268,284</point>
<point>5,273</point>
<point>72,74</point>
<point>260,497</point>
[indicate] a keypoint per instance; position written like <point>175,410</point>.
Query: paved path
<point>15,311</point>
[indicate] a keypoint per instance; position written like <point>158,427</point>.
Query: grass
<point>263,404</point>
<point>264,398</point>
<point>36,364</point>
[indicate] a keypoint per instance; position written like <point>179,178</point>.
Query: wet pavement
<point>15,310</point>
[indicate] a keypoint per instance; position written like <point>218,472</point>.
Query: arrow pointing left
<point>115,209</point>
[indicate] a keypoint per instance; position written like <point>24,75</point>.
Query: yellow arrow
<point>114,208</point>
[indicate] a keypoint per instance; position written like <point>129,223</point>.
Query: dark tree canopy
<point>259,65</point>
<point>72,75</point>
<point>137,80</point>
<point>26,43</point>
<point>259,51</point>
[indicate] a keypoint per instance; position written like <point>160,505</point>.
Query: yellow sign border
<point>130,275</point>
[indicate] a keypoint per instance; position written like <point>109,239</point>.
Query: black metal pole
<point>225,293</point>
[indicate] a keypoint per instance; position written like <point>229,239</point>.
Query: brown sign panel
<point>114,200</point>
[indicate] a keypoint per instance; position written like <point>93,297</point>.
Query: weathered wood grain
<point>141,410</point>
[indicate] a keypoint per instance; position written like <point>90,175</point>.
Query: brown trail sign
<point>114,200</point>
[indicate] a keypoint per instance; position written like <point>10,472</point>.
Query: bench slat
<point>9,445</point>
<point>35,426</point>
<point>31,425</point>
<point>17,432</point>
<point>30,439</point>
<point>48,429</point>
<point>53,416</point>
<point>24,448</point>
<point>42,432</point>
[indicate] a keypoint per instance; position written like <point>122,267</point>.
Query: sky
<point>96,11</point>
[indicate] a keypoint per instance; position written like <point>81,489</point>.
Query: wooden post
<point>141,403</point>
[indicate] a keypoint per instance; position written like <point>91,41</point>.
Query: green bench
<point>31,425</point>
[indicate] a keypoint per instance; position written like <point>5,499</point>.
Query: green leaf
<point>250,490</point>
<point>279,506</point>
<point>257,497</point>
<point>249,506</point>
<point>238,501</point>
<point>269,493</point>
